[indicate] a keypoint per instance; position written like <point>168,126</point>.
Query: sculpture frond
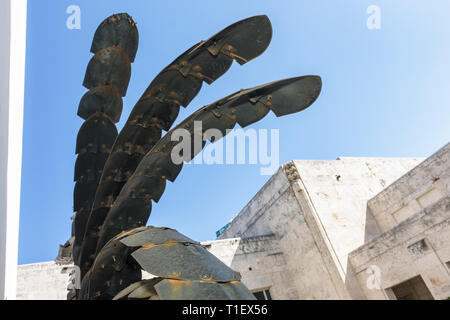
<point>107,77</point>
<point>175,86</point>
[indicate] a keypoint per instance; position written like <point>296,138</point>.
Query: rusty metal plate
<point>118,30</point>
<point>112,271</point>
<point>152,112</point>
<point>186,261</point>
<point>97,134</point>
<point>130,213</point>
<point>83,195</point>
<point>108,187</point>
<point>89,166</point>
<point>144,289</point>
<point>187,269</point>
<point>172,87</point>
<point>84,289</point>
<point>243,40</point>
<point>109,66</point>
<point>107,76</point>
<point>170,289</point>
<point>104,99</point>
<point>136,139</point>
<point>120,172</point>
<point>157,162</point>
<point>145,235</point>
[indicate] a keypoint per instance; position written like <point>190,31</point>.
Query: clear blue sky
<point>386,93</point>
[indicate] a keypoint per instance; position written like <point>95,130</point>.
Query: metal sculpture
<point>118,176</point>
<point>107,76</point>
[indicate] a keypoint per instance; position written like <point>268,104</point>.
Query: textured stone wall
<point>420,245</point>
<point>414,213</point>
<point>275,209</point>
<point>42,281</point>
<point>420,187</point>
<point>317,209</point>
<point>260,262</point>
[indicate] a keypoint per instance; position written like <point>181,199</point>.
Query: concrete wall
<point>317,211</point>
<point>420,245</point>
<point>259,261</point>
<point>337,192</point>
<point>420,187</point>
<point>275,209</point>
<point>42,281</point>
<point>414,213</point>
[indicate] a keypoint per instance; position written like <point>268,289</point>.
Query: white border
<point>14,41</point>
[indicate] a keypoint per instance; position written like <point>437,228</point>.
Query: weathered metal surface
<point>243,107</point>
<point>112,271</point>
<point>94,142</point>
<point>171,289</point>
<point>144,289</point>
<point>84,289</point>
<point>106,99</point>
<point>137,237</point>
<point>107,76</point>
<point>183,269</point>
<point>96,135</point>
<point>166,253</point>
<point>237,40</point>
<point>118,30</point>
<point>109,66</point>
<point>157,109</point>
<point>89,166</point>
<point>182,260</point>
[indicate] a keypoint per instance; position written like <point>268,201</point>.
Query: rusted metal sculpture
<point>118,176</point>
<point>156,110</point>
<point>107,76</point>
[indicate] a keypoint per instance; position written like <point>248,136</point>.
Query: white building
<point>351,228</point>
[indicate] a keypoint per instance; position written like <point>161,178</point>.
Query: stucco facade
<point>413,215</point>
<point>317,211</point>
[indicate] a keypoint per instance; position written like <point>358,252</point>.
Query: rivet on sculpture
<point>119,175</point>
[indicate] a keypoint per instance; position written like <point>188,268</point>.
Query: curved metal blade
<point>106,99</point>
<point>186,268</point>
<point>118,30</point>
<point>243,107</point>
<point>109,66</point>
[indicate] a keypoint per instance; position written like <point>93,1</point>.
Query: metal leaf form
<point>109,66</point>
<point>158,108</point>
<point>107,76</point>
<point>131,208</point>
<point>171,289</point>
<point>111,272</point>
<point>119,30</point>
<point>106,99</point>
<point>183,269</point>
<point>144,289</point>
